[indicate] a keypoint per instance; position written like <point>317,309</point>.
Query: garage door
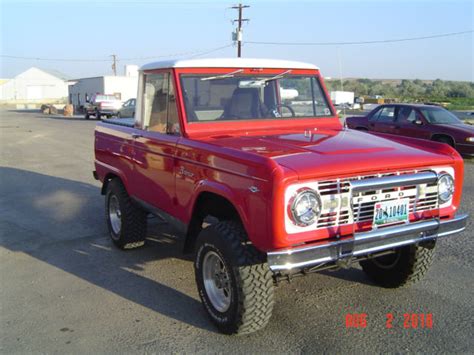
<point>34,92</point>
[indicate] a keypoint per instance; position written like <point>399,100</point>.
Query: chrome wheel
<point>115,215</point>
<point>216,281</point>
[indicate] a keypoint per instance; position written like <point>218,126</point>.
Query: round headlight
<point>445,187</point>
<point>305,207</point>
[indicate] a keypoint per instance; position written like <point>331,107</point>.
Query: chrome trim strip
<point>364,243</point>
<point>388,182</point>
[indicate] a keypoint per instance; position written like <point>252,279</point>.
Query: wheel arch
<point>108,178</point>
<point>434,136</point>
<point>220,204</point>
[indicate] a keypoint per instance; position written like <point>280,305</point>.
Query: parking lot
<point>66,289</point>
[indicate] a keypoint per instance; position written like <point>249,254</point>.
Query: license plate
<point>391,212</point>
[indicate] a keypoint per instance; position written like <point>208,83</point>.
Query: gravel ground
<point>66,289</point>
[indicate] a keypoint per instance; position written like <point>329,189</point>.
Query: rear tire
<point>126,221</point>
<point>98,116</point>
<point>233,279</point>
<point>408,265</point>
<point>87,116</point>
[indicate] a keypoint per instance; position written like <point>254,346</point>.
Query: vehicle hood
<point>334,152</point>
<point>461,129</point>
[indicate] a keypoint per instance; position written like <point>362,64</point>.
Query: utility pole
<point>114,64</point>
<point>238,32</point>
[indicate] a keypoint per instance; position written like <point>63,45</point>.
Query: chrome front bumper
<point>364,243</point>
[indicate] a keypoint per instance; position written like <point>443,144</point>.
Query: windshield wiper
<point>265,80</point>
<point>223,76</point>
<point>278,76</point>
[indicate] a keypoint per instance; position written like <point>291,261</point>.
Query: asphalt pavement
<point>66,289</point>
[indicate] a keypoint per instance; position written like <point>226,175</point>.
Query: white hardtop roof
<point>228,63</point>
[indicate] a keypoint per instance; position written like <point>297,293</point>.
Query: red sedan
<point>418,121</point>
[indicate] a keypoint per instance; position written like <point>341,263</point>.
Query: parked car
<point>127,109</point>
<point>102,105</point>
<point>265,188</point>
<point>418,121</point>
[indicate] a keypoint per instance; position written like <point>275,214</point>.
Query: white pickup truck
<point>102,105</point>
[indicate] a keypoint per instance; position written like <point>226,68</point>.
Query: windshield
<point>436,115</point>
<point>250,97</point>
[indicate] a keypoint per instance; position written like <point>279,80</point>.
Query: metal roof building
<point>35,85</point>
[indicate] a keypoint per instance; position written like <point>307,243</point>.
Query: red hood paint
<point>325,153</point>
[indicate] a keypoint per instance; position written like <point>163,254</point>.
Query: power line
<point>53,59</point>
<point>238,32</point>
<point>452,34</point>
<point>179,54</point>
<point>211,51</point>
<point>171,55</point>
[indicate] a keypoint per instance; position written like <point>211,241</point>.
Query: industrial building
<point>35,86</point>
<point>123,87</point>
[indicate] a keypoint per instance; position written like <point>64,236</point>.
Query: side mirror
<point>418,122</point>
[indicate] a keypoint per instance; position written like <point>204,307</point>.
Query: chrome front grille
<point>337,200</point>
<point>335,193</point>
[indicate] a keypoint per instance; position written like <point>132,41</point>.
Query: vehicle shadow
<point>65,118</point>
<point>354,275</point>
<point>64,227</point>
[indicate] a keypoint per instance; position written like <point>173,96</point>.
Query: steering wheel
<point>275,113</point>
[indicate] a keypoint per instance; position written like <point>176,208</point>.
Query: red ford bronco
<point>249,156</point>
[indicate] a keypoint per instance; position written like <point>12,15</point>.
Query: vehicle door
<point>155,145</point>
<point>384,120</point>
<point>131,108</point>
<point>410,123</point>
<point>372,118</point>
<point>125,110</point>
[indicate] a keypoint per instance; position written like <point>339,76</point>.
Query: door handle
<point>136,135</point>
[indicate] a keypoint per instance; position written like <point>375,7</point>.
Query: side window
<point>387,114</point>
<point>159,104</point>
<point>406,115</point>
<point>375,116</point>
<point>155,102</point>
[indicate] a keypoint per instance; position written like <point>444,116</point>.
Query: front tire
<point>445,140</point>
<point>127,223</point>
<point>406,266</point>
<point>233,279</point>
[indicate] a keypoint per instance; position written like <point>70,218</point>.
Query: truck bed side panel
<point>114,152</point>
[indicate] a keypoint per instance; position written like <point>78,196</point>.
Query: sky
<point>144,31</point>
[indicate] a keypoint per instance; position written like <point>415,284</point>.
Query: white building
<point>123,87</point>
<point>35,85</point>
<point>342,97</point>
